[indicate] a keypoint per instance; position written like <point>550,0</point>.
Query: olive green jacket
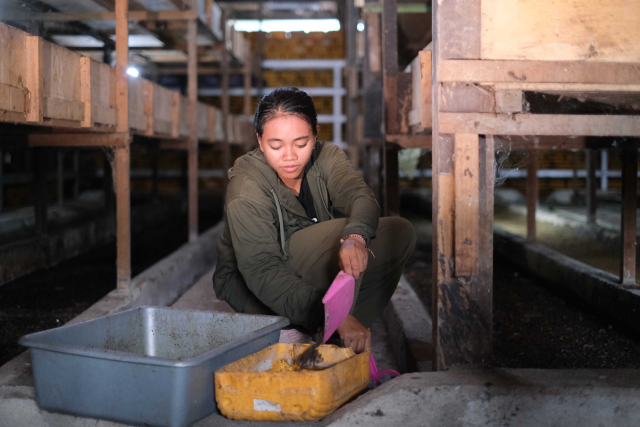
<point>260,216</point>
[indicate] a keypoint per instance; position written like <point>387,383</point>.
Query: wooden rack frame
<point>468,88</point>
<point>94,105</point>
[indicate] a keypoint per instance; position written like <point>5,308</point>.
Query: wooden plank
<point>182,145</point>
<point>56,108</point>
<point>467,187</point>
<point>570,87</point>
<point>584,30</point>
<point>425,87</point>
<point>226,150</point>
<point>122,90</point>
<point>12,98</point>
<point>137,88</point>
<point>458,25</point>
<point>539,124</point>
<point>76,140</point>
<point>372,27</point>
<point>532,193</point>
<point>123,216</point>
<point>148,108</point>
<point>14,54</point>
<point>104,115</point>
<point>212,124</point>
<point>134,15</point>
<point>85,91</point>
<point>518,142</point>
<point>526,72</point>
<point>175,115</point>
<point>390,65</point>
<point>192,66</point>
<point>34,80</point>
<point>629,216</point>
<point>411,141</point>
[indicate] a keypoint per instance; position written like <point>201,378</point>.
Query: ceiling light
<point>133,71</point>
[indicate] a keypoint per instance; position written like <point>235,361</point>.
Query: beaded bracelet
<point>360,237</point>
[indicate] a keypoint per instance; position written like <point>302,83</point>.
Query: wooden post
<point>246,105</point>
<point>60,171</point>
<point>532,193</point>
<point>390,101</point>
<point>352,73</point>
<point>193,126</point>
<point>40,171</point>
<point>155,163</point>
<point>462,291</point>
<point>34,78</point>
<point>629,212</point>
<point>590,162</point>
<point>121,160</point>
<point>123,214</point>
<point>226,156</point>
<point>574,178</point>
<point>372,94</point>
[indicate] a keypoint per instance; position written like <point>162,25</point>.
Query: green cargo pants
<point>313,256</point>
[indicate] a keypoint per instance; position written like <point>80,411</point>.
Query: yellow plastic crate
<point>269,385</point>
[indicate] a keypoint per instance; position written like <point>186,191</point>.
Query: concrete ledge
<point>499,398</point>
<point>409,329</point>
<point>592,286</point>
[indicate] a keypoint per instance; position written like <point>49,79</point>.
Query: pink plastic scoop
<point>337,304</point>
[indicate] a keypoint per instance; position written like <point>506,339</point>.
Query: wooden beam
<point>411,141</point>
<point>372,27</point>
<point>532,193</point>
<point>390,101</point>
<point>77,140</point>
<point>462,306</point>
<point>226,106</point>
<point>85,91</point>
<point>193,128</point>
<point>629,215</point>
<point>123,216</point>
<point>56,108</point>
<point>467,187</point>
<point>540,124</point>
<point>12,98</point>
<point>121,160</point>
<point>527,72</point>
<point>134,15</point>
<point>122,62</point>
<point>246,104</point>
<point>425,87</point>
<point>34,79</point>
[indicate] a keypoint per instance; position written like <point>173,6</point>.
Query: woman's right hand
<point>354,334</point>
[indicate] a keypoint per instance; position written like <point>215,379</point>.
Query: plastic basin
<point>264,387</point>
<point>147,365</point>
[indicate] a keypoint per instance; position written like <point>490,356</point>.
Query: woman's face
<point>287,143</point>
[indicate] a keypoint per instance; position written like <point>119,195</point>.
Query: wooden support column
<point>246,106</point>
<point>390,101</point>
<point>40,171</point>
<point>352,72</point>
<point>532,193</point>
<point>34,78</point>
<point>121,159</point>
<point>629,212</point>
<point>462,190</point>
<point>226,153</point>
<point>192,66</point>
<point>590,163</point>
<point>60,171</point>
<point>574,178</point>
<point>372,94</point>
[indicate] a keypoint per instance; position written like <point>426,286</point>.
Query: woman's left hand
<point>353,257</point>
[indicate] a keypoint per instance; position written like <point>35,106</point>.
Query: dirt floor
<point>51,297</point>
<point>535,327</point>
<point>564,238</point>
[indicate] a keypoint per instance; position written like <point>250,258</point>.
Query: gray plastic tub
<point>147,365</point>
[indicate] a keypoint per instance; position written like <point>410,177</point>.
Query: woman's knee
<point>402,233</point>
